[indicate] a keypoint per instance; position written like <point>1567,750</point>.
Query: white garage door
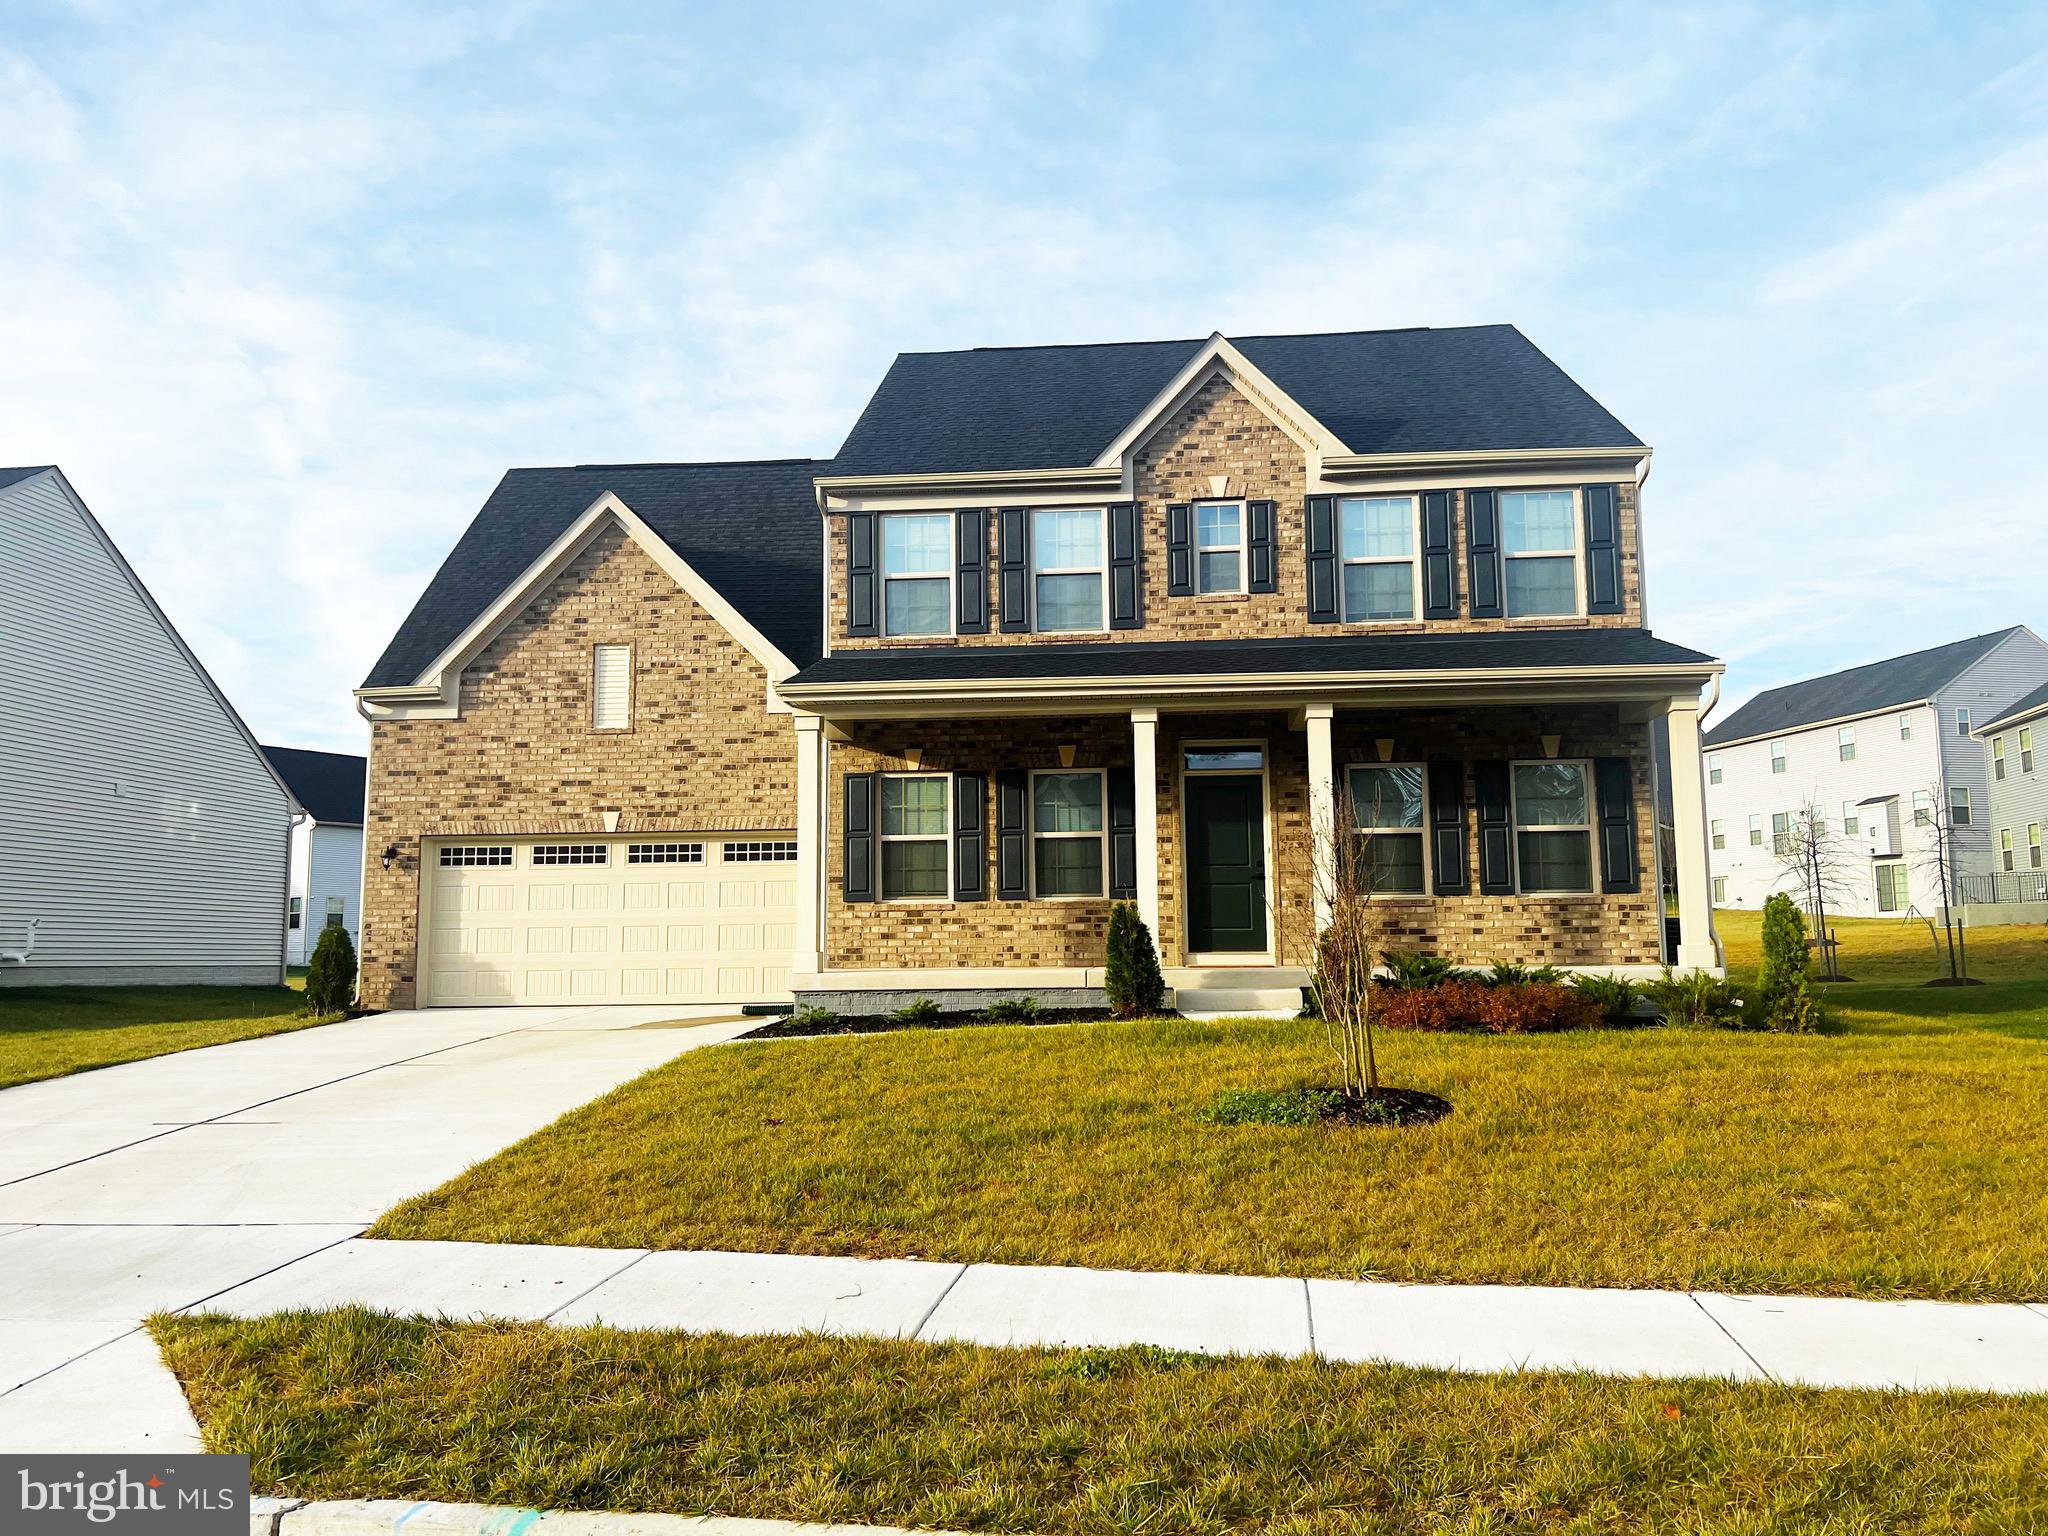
<point>673,919</point>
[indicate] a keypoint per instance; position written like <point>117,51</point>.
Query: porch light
<point>914,756</point>
<point>1384,745</point>
<point>389,854</point>
<point>1550,745</point>
<point>1068,751</point>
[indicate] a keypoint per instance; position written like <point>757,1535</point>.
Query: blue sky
<point>286,295</point>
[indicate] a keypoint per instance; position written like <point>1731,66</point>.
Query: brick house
<point>1058,626</point>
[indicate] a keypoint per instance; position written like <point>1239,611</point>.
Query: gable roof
<point>750,528</point>
<point>16,476</point>
<point>2033,704</point>
<point>328,784</point>
<point>1466,388</point>
<point>1863,690</point>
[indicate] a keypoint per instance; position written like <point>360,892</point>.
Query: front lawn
<point>54,1031</point>
<point>351,1405</point>
<point>1886,950</point>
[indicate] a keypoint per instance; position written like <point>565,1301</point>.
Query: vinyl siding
<point>139,821</point>
<point>334,868</point>
<point>1989,687</point>
<point>2020,797</point>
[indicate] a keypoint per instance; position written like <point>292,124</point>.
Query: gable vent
<point>611,688</point>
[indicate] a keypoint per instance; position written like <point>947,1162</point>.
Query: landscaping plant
<point>919,1010</point>
<point>1617,997</point>
<point>1519,1008</point>
<point>1701,1000</point>
<point>1408,969</point>
<point>1785,999</point>
<point>331,977</point>
<point>1130,974</point>
<point>1013,1010</point>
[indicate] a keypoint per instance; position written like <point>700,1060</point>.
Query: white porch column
<point>1697,946</point>
<point>1145,799</point>
<point>1322,807</point>
<point>810,842</point>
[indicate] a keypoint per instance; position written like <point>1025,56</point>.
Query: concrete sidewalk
<point>1809,1340</point>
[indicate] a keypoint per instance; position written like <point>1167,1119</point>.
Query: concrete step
<point>1283,1002</point>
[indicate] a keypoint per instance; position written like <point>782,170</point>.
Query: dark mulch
<point>1953,981</point>
<point>1387,1106</point>
<point>1322,1106</point>
<point>881,1024</point>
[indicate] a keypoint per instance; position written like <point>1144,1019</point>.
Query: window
<point>2033,845</point>
<point>1067,559</point>
<point>297,912</point>
<point>1923,808</point>
<point>570,853</point>
<point>1539,541</point>
<point>1756,831</point>
<point>1781,832</point>
<point>1376,541</point>
<point>611,687</point>
<point>476,857</point>
<point>758,853</point>
<point>1720,890</point>
<point>1905,727</point>
<point>1219,546</point>
<point>1962,721</point>
<point>1852,824</point>
<point>337,914</point>
<point>2005,848</point>
<point>1959,805</point>
<point>1720,837</point>
<point>1891,887</point>
<point>1777,757</point>
<point>664,853</point>
<point>1845,743</point>
<point>2026,749</point>
<point>1225,759</point>
<point>1553,827</point>
<point>1998,757</point>
<point>1387,811</point>
<point>1713,767</point>
<point>917,573</point>
<point>914,841</point>
<point>1067,834</point>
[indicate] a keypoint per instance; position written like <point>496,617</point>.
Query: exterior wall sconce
<point>914,756</point>
<point>390,854</point>
<point>1550,745</point>
<point>1068,750</point>
<point>1384,745</point>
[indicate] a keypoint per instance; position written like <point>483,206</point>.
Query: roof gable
<point>328,784</point>
<point>2033,704</point>
<point>1864,690</point>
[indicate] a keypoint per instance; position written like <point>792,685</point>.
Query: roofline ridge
<point>1195,341</point>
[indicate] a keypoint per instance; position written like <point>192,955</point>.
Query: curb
<point>414,1517</point>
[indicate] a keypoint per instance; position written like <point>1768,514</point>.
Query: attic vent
<point>611,688</point>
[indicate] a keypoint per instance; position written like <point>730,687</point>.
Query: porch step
<point>1269,1002</point>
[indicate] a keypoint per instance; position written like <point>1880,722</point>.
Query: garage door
<point>674,919</point>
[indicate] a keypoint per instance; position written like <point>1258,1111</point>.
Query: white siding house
<point>1877,748</point>
<point>327,847</point>
<point>145,837</point>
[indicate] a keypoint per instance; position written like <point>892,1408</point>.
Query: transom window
<point>571,853</point>
<point>474,856</point>
<point>1845,743</point>
<point>1224,759</point>
<point>1068,569</point>
<point>1376,542</point>
<point>1539,542</point>
<point>1067,833</point>
<point>1553,827</point>
<point>1777,757</point>
<point>1219,546</point>
<point>782,852</point>
<point>917,573</point>
<point>1387,815</point>
<point>915,847</point>
<point>664,853</point>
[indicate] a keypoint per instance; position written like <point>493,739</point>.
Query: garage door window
<point>570,853</point>
<point>914,836</point>
<point>760,853</point>
<point>476,858</point>
<point>664,853</point>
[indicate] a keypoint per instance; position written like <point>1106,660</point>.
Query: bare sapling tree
<point>1352,850</point>
<point>1946,838</point>
<point>1818,867</point>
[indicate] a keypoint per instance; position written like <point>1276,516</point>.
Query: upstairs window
<point>1067,834</point>
<point>1713,767</point>
<point>2026,749</point>
<point>1959,805</point>
<point>1777,757</point>
<point>611,687</point>
<point>1923,808</point>
<point>2005,848</point>
<point>1756,831</point>
<point>1845,743</point>
<point>297,913</point>
<point>1905,727</point>
<point>1998,757</point>
<point>1781,832</point>
<point>1068,569</point>
<point>337,914</point>
<point>1962,721</point>
<point>1539,541</point>
<point>1720,837</point>
<point>1852,823</point>
<point>914,842</point>
<point>917,573</point>
<point>1219,546</point>
<point>2033,845</point>
<point>1553,827</point>
<point>1387,810</point>
<point>1376,543</point>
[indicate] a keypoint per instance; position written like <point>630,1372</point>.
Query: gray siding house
<point>2018,823</point>
<point>327,847</point>
<point>146,837</point>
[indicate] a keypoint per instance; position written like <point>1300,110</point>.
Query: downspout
<point>1713,698</point>
<point>284,928</point>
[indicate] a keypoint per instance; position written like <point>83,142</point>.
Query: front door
<point>1226,843</point>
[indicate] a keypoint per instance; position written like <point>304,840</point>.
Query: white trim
<point>1241,548</point>
<point>1576,550</point>
<point>1420,831</point>
<point>1219,356</point>
<point>1182,773</point>
<point>1590,827</point>
<point>1032,834</point>
<point>1414,560</point>
<point>950,575</point>
<point>1100,571</point>
<point>1145,801</point>
<point>944,837</point>
<point>599,651</point>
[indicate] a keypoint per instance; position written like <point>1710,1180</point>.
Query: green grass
<point>349,1404</point>
<point>55,1031</point>
<point>1885,950</point>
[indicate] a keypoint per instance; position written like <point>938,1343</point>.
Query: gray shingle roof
<point>750,528</point>
<point>2032,704</point>
<point>328,784</point>
<point>1226,658</point>
<point>1406,391</point>
<point>1860,690</point>
<point>16,476</point>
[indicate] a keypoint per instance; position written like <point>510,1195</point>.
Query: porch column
<point>1697,946</point>
<point>1145,800</point>
<point>1322,807</point>
<point>810,841</point>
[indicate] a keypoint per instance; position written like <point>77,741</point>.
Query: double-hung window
<point>2005,848</point>
<point>1923,808</point>
<point>1962,721</point>
<point>2033,845</point>
<point>1068,569</point>
<point>1539,543</point>
<point>1376,543</point>
<point>1845,743</point>
<point>1720,890</point>
<point>2026,749</point>
<point>1777,757</point>
<point>337,914</point>
<point>1905,727</point>
<point>915,844</point>
<point>1720,837</point>
<point>1998,757</point>
<point>1852,822</point>
<point>1067,833</point>
<point>1781,832</point>
<point>917,573</point>
<point>1756,831</point>
<point>1713,767</point>
<point>1553,827</point>
<point>1959,805</point>
<point>297,914</point>
<point>1219,546</point>
<point>1387,812</point>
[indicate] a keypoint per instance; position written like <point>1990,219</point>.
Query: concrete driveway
<point>160,1183</point>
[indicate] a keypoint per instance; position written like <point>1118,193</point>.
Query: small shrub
<point>919,1010</point>
<point>1013,1010</point>
<point>1785,999</point>
<point>1617,997</point>
<point>1130,972</point>
<point>331,975</point>
<point>1519,1008</point>
<point>1270,1106</point>
<point>1410,970</point>
<point>813,1017</point>
<point>1701,1001</point>
<point>1506,973</point>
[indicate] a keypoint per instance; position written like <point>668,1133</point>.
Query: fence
<point>2005,885</point>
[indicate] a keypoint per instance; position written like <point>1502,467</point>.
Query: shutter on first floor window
<point>1180,549</point>
<point>862,600</point>
<point>1603,548</point>
<point>970,586</point>
<point>1013,557</point>
<point>1126,574</point>
<point>1496,833</point>
<point>1439,589</point>
<point>970,837</point>
<point>1260,566</point>
<point>1614,793</point>
<point>1482,553</point>
<point>1447,829</point>
<point>1123,834</point>
<point>1322,560</point>
<point>1013,882</point>
<point>857,877</point>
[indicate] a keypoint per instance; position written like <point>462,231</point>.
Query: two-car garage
<point>651,918</point>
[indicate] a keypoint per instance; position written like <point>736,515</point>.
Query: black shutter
<point>1126,590</point>
<point>970,837</point>
<point>1439,591</point>
<point>1614,788</point>
<point>1603,549</point>
<point>1123,834</point>
<point>1260,571</point>
<point>1322,560</point>
<point>861,596</point>
<point>1180,550</point>
<point>1447,828</point>
<point>1482,552</point>
<point>1496,857</point>
<point>1013,527</point>
<point>1012,796</point>
<point>970,586</point>
<point>857,878</point>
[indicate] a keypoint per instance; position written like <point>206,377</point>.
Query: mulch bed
<point>1388,1106</point>
<point>881,1024</point>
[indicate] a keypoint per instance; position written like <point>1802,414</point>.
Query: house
<point>327,846</point>
<point>2016,887</point>
<point>1878,749</point>
<point>145,834</point>
<point>1057,626</point>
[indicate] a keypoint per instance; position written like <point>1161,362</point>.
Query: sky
<point>286,289</point>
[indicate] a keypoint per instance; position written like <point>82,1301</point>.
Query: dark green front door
<point>1226,843</point>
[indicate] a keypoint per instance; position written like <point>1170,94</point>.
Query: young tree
<point>331,974</point>
<point>1817,864</point>
<point>1345,876</point>
<point>1946,838</point>
<point>1130,976</point>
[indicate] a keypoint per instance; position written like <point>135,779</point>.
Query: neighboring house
<point>2018,822</point>
<point>327,847</point>
<point>143,835</point>
<point>1058,626</point>
<point>1878,749</point>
